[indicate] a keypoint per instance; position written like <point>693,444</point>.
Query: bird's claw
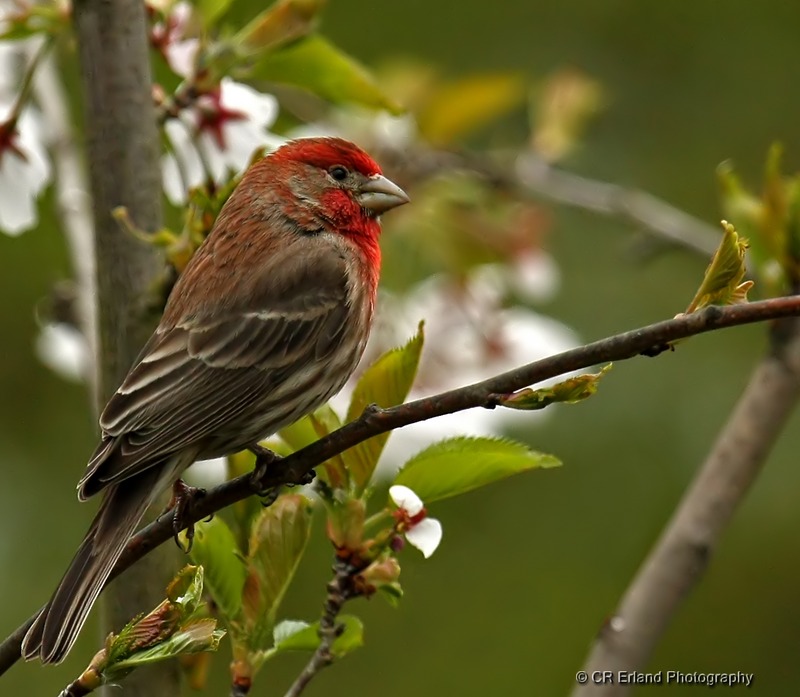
<point>265,458</point>
<point>269,496</point>
<point>183,500</point>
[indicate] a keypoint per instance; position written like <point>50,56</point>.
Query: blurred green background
<point>528,569</point>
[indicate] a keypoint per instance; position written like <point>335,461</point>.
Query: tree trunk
<point>123,158</point>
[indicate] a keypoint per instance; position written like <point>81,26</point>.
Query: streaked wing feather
<point>200,376</point>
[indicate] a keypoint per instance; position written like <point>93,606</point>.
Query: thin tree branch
<point>679,558</point>
<point>530,176</point>
<point>649,340</point>
<point>340,590</point>
<point>632,205</point>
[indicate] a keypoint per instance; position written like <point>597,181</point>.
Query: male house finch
<point>265,324</point>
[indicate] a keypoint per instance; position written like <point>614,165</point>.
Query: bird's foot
<point>265,458</point>
<point>183,500</point>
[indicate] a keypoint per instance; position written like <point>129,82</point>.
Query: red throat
<point>350,221</point>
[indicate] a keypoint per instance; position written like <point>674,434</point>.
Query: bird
<point>264,325</point>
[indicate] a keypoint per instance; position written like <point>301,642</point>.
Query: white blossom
<point>216,136</point>
<point>24,165</point>
<point>172,36</point>
<point>420,530</point>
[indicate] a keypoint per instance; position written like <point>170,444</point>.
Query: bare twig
<point>340,590</point>
<point>533,177</point>
<point>295,467</point>
<point>638,207</point>
<point>679,558</point>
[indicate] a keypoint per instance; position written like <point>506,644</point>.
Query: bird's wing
<point>202,373</point>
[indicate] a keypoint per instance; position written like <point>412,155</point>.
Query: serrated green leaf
<point>277,541</point>
<point>314,64</point>
<point>722,283</point>
<point>171,629</point>
<point>307,638</point>
<point>199,635</point>
<point>215,549</point>
<point>570,391</point>
<point>458,465</point>
<point>385,383</point>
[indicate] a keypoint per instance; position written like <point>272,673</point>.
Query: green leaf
<point>722,283</point>
<point>310,429</point>
<point>570,391</point>
<point>285,21</point>
<point>299,434</point>
<point>346,523</point>
<point>463,107</point>
<point>392,593</point>
<point>25,20</point>
<point>314,64</point>
<point>215,549</point>
<point>306,638</point>
<point>212,11</point>
<point>385,383</point>
<point>199,635</point>
<point>277,541</point>
<point>286,629</point>
<point>563,108</point>
<point>171,629</point>
<point>457,465</point>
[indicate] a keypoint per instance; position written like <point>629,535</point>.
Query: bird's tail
<point>57,626</point>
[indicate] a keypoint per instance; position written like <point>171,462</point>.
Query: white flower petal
<point>181,56</point>
<point>18,211</point>
<point>259,107</point>
<point>183,167</point>
<point>22,178</point>
<point>214,158</point>
<point>406,499</point>
<point>425,536</point>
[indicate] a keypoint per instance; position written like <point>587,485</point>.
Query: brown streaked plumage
<point>265,324</point>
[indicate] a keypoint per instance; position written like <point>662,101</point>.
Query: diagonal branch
<point>649,340</point>
<point>679,558</point>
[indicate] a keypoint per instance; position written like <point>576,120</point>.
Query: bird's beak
<point>378,194</point>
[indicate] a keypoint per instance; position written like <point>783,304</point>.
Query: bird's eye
<point>338,172</point>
